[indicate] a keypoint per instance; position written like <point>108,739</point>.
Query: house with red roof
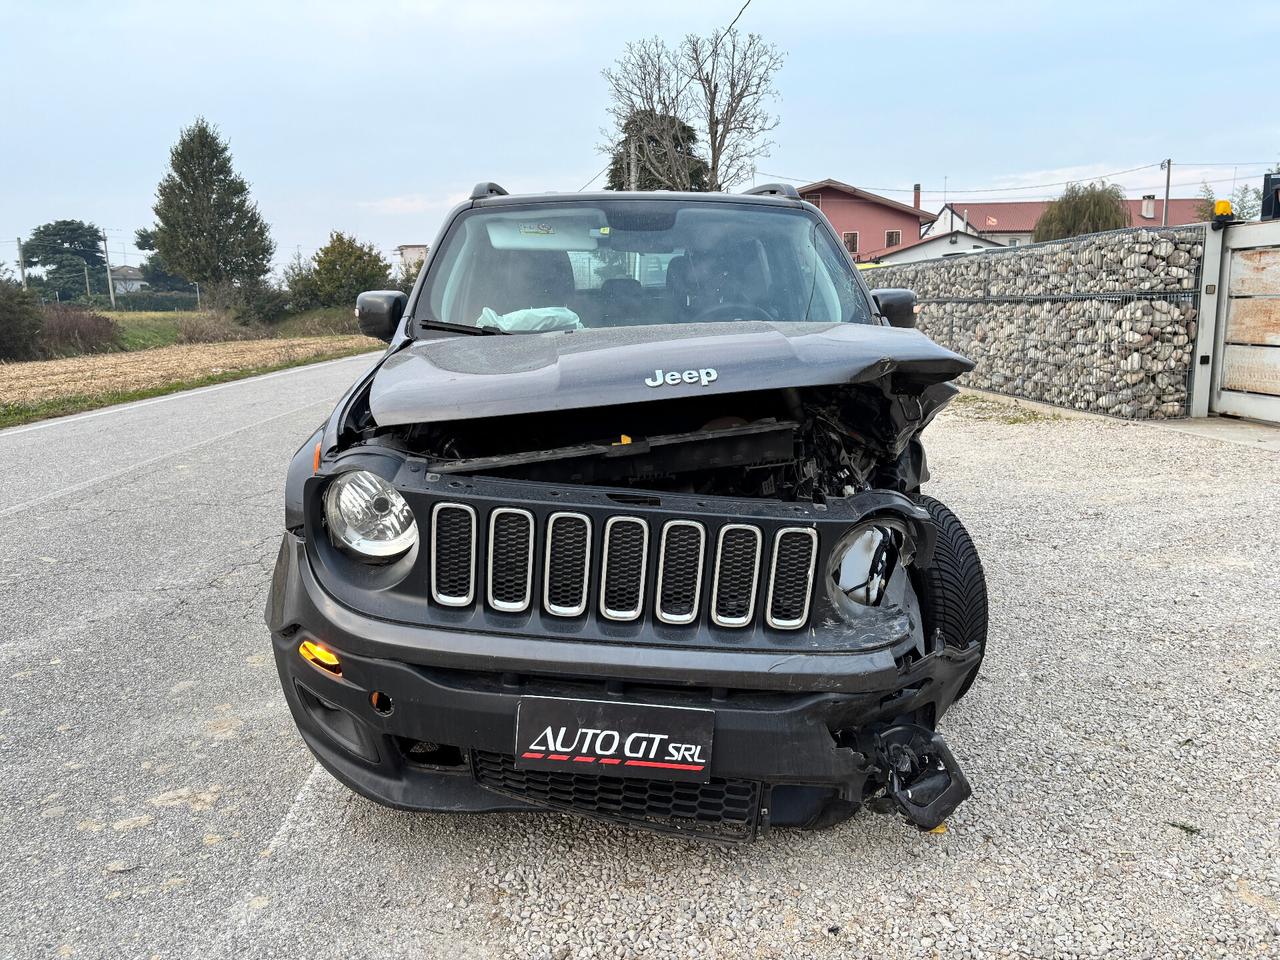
<point>868,223</point>
<point>1012,222</point>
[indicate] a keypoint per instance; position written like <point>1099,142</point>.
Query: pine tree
<point>1083,208</point>
<point>207,227</point>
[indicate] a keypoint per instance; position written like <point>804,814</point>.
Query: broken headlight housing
<point>867,567</point>
<point>367,517</point>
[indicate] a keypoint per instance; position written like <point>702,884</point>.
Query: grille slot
<point>626,548</point>
<point>791,577</point>
<point>568,561</point>
<point>720,809</point>
<point>510,580</point>
<point>733,592</point>
<point>453,554</point>
<point>680,563</point>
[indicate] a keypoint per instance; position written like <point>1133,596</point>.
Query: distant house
<point>1012,222</point>
<point>951,244</point>
<point>869,225</point>
<point>412,254</point>
<point>127,279</point>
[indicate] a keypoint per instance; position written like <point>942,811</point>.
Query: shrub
<point>249,303</point>
<point>213,328</point>
<point>70,329</point>
<point>148,300</point>
<point>20,323</point>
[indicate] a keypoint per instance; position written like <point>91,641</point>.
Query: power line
<point>950,190</point>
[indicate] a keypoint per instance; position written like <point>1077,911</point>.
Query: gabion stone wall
<point>1104,323</point>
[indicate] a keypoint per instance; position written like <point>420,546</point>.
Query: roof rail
<point>773,190</point>
<point>487,189</point>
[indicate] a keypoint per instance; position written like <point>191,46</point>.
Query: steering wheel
<point>733,311</point>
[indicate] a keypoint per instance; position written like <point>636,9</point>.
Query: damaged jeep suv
<point>627,522</point>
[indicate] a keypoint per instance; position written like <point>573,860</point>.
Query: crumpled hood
<point>469,376</point>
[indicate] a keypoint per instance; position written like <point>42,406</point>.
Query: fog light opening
<point>321,656</point>
<point>381,703</point>
<point>425,753</point>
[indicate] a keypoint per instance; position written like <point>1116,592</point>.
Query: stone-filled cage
<point>1104,322</point>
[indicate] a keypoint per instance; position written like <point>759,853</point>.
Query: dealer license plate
<point>614,739</point>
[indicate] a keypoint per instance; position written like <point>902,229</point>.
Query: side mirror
<point>896,305</point>
<point>379,312</point>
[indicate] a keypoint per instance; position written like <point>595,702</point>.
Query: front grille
<point>568,564</point>
<point>735,574</point>
<point>453,553</point>
<point>626,548</point>
<point>510,559</point>
<point>719,809</point>
<point>791,581</point>
<point>733,598</point>
<point>680,571</point>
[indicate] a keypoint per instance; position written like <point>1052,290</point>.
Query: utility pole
<point>87,292</point>
<point>197,295</point>
<point>111,287</point>
<point>1168,175</point>
<point>22,267</point>
<point>633,173</point>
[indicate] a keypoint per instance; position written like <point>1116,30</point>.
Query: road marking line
<point>299,799</point>
<point>241,909</point>
<point>76,487</point>
<point>136,404</point>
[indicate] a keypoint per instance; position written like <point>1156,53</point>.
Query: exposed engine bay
<point>793,444</point>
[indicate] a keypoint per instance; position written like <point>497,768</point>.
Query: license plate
<point>614,739</point>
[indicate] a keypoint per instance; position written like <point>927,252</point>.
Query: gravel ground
<point>1120,741</point>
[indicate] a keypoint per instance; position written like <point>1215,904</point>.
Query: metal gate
<point>1246,355</point>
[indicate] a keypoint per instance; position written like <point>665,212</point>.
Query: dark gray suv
<point>627,521</point>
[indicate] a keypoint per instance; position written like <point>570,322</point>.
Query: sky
<point>375,118</point>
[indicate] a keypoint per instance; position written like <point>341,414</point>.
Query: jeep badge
<point>673,377</point>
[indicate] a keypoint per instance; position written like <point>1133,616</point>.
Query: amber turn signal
<point>321,656</point>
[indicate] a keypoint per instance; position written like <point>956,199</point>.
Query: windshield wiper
<point>460,328</point>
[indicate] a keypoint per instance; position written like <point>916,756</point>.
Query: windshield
<point>547,266</point>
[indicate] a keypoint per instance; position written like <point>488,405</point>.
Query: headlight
<point>367,516</point>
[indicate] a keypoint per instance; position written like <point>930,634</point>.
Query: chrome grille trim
<point>663,615</point>
<point>755,577</point>
<point>504,605</point>
<point>445,599</point>
<point>604,570</point>
<point>579,608</point>
<point>792,624</point>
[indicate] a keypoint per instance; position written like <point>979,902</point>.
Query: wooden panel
<point>1255,320</point>
<point>1256,369</point>
<point>1255,272</point>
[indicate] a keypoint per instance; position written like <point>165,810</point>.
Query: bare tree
<point>718,86</point>
<point>733,84</point>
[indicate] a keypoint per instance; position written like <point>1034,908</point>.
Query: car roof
<point>597,196</point>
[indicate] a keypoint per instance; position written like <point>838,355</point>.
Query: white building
<point>127,279</point>
<point>951,244</point>
<point>412,255</point>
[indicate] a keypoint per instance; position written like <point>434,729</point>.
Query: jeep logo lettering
<point>704,376</point>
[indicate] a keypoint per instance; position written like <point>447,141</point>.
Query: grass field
<point>143,330</point>
<point>40,389</point>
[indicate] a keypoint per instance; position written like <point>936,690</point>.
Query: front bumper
<point>801,726</point>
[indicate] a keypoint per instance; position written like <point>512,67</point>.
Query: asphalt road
<point>155,800</point>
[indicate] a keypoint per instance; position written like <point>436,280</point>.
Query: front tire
<point>953,589</point>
